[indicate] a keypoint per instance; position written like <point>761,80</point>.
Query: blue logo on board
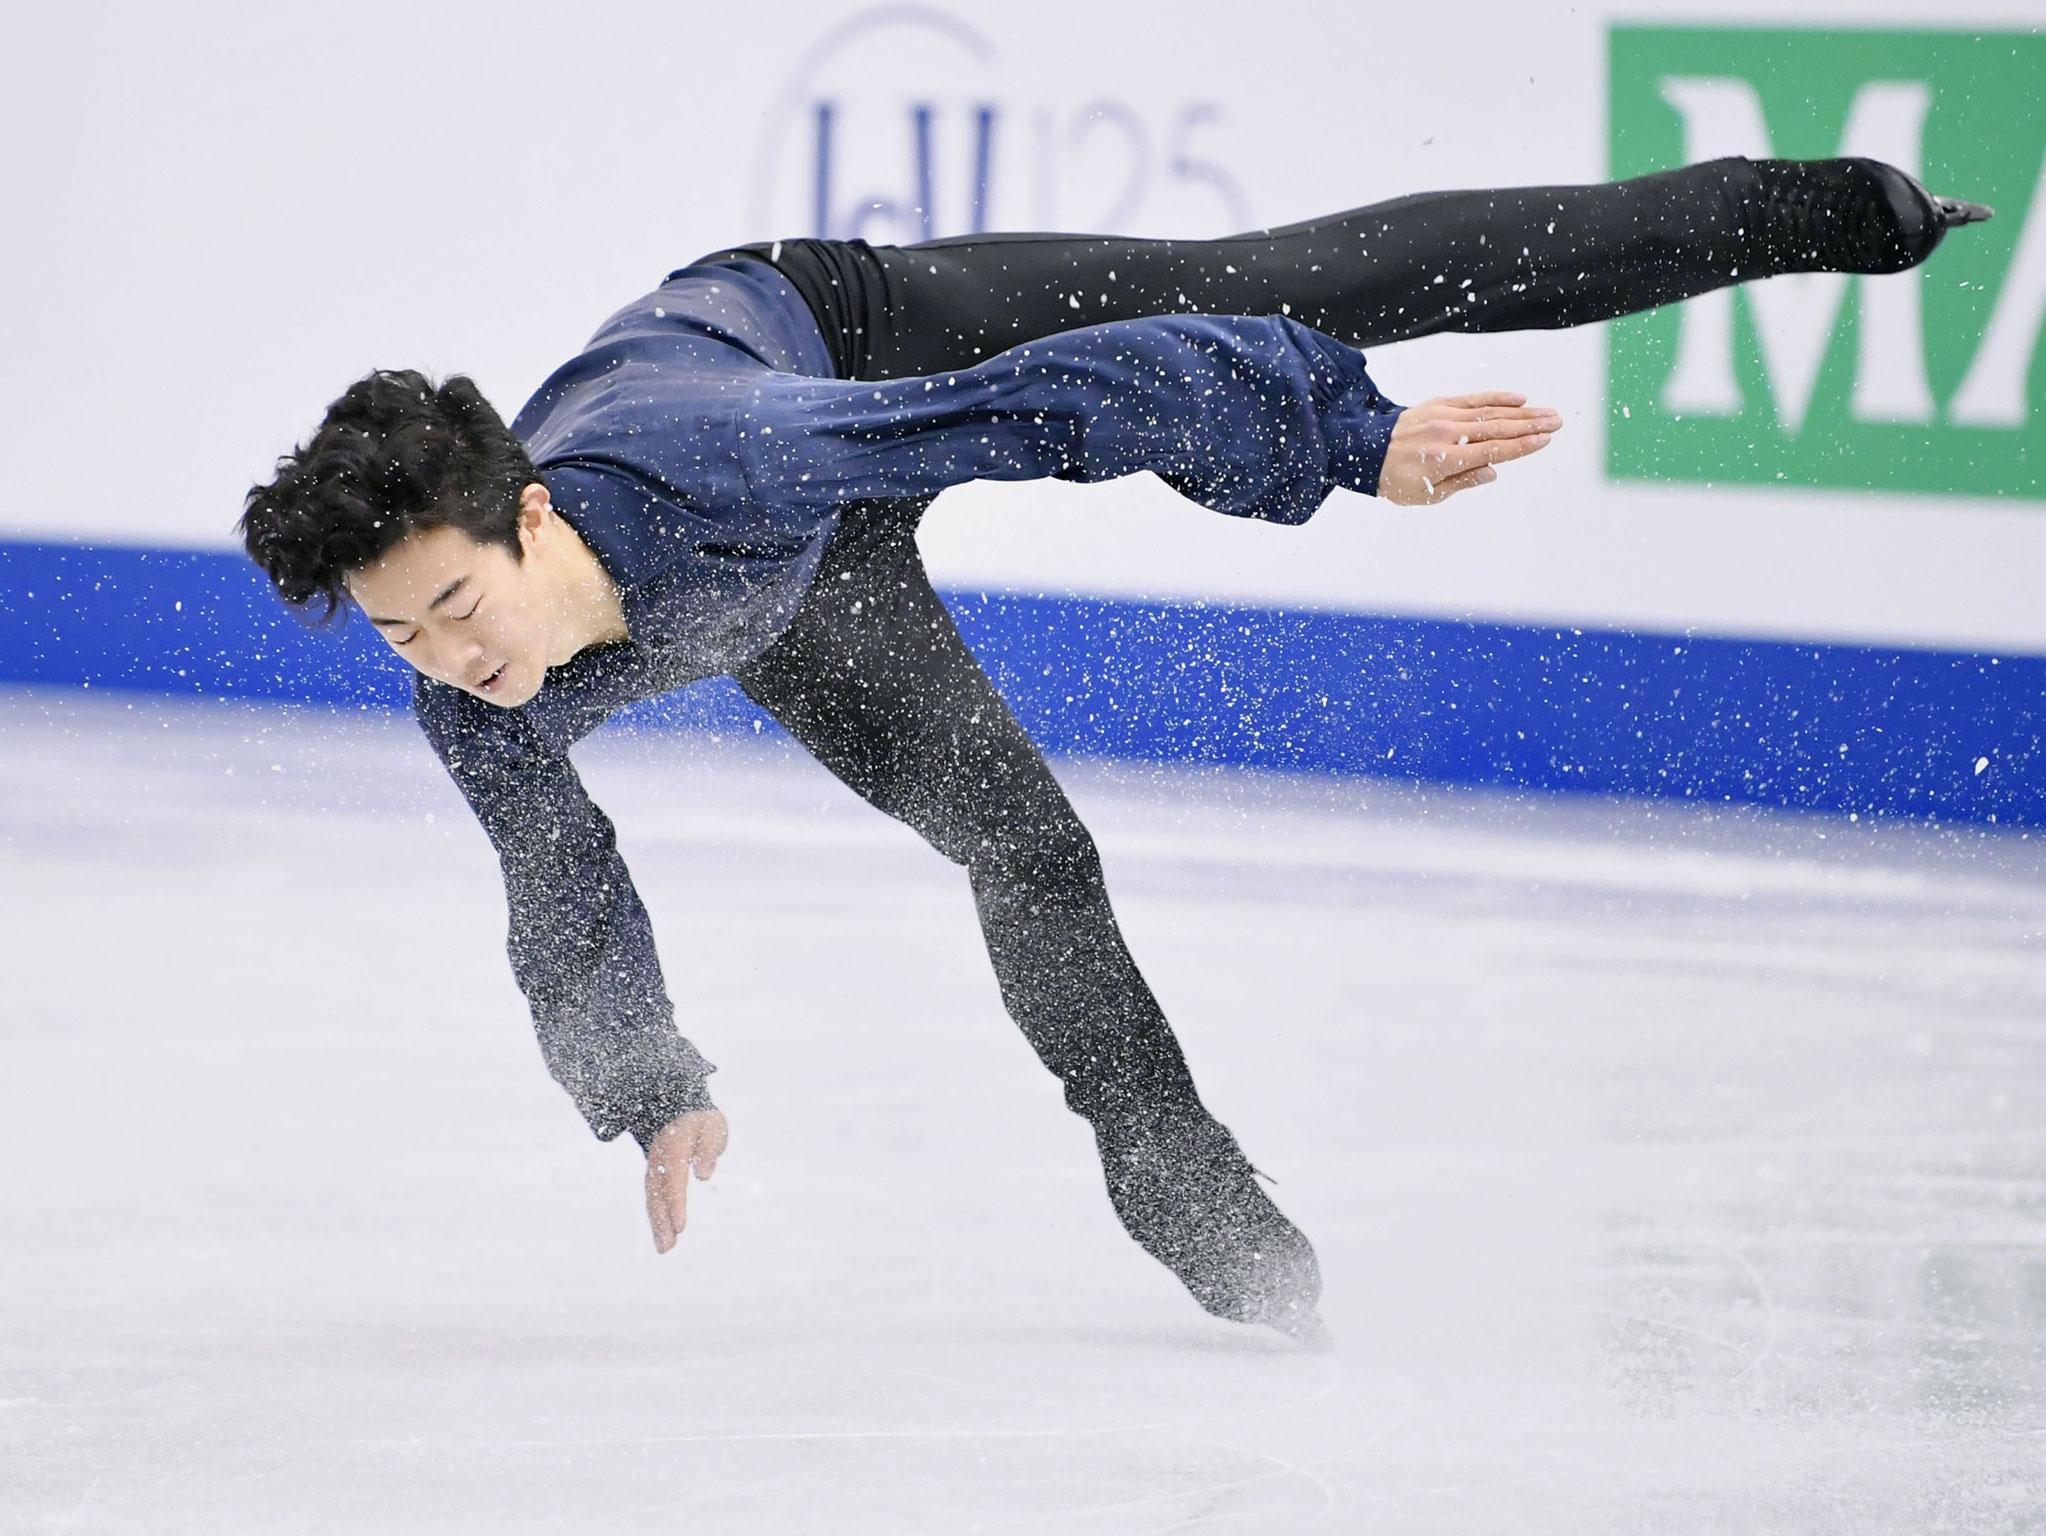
<point>898,125</point>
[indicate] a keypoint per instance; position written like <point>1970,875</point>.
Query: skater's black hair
<point>396,454</point>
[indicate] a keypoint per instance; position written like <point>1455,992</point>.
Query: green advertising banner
<point>1931,381</point>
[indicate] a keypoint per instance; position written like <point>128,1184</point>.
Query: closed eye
<point>415,633</point>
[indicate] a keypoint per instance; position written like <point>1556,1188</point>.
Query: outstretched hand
<point>692,1140</point>
<point>1450,444</point>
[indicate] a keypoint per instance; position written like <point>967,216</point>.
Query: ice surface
<point>1673,1170</point>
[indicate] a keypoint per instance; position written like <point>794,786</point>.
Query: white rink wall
<point>222,215</point>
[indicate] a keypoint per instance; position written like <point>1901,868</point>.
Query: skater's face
<point>471,614</point>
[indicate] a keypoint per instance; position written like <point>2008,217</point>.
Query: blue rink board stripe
<point>1951,735</point>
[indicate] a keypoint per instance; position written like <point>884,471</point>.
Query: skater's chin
<point>509,685</point>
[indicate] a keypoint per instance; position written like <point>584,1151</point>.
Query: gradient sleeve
<point>1255,416</point>
<point>580,941</point>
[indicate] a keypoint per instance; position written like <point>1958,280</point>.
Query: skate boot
<point>1187,1194</point>
<point>1851,215</point>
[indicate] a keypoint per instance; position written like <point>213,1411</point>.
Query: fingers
<point>1543,417</point>
<point>659,1206</point>
<point>1438,445</point>
<point>1480,426</point>
<point>1435,491</point>
<point>1465,456</point>
<point>668,1195</point>
<point>1490,405</point>
<point>1483,474</point>
<point>691,1142</point>
<point>710,1146</point>
<point>678,1205</point>
<point>667,1201</point>
<point>1445,448</point>
<point>1484,397</point>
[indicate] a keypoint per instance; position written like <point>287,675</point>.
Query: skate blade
<point>1949,212</point>
<point>1954,212</point>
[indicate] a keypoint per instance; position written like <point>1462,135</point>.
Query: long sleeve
<point>581,946</point>
<point>1258,417</point>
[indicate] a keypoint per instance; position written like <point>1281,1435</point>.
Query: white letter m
<point>1795,316</point>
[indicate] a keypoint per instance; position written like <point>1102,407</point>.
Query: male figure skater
<point>728,478</point>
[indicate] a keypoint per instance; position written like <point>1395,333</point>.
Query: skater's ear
<point>536,514</point>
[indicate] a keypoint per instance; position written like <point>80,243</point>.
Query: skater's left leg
<point>1480,260</point>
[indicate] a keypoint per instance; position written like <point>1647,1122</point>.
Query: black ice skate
<point>1188,1195</point>
<point>1852,215</point>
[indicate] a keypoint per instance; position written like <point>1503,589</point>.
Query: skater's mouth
<point>490,683</point>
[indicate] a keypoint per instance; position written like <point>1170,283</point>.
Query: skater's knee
<point>1051,856</point>
<point>1014,836</point>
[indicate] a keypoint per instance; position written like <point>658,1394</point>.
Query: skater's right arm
<point>580,942</point>
<point>1257,416</point>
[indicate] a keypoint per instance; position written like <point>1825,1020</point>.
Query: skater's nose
<point>455,658</point>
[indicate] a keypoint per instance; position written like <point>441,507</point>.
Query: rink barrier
<point>1854,730</point>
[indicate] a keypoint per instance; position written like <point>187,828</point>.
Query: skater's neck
<point>593,609</point>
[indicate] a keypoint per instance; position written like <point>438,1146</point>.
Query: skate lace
<point>1231,1155</point>
<point>1809,214</point>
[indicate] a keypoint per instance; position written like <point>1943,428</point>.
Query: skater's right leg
<point>873,679</point>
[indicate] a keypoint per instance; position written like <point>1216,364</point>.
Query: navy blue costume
<point>699,448</point>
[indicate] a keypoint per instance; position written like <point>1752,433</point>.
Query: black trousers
<point>872,678</point>
<point>1500,259</point>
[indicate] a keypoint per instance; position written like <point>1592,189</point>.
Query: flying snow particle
<point>1981,765</point>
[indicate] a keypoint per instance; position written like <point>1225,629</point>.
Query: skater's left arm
<point>1257,416</point>
<point>579,937</point>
